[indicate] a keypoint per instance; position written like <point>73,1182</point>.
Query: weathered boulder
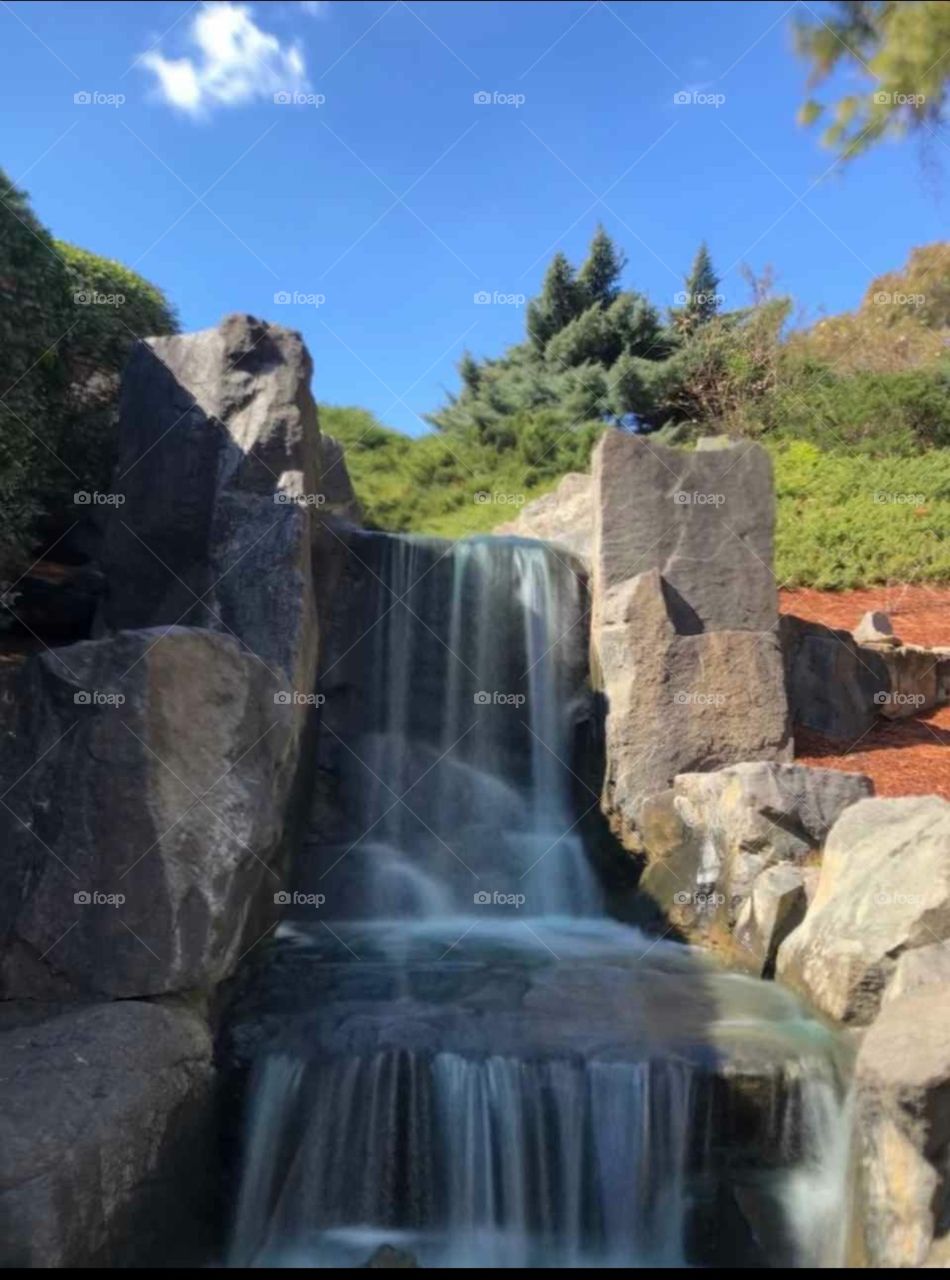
<point>923,967</point>
<point>914,681</point>
<point>902,1104</point>
<point>219,467</point>
<point>564,517</point>
<point>875,628</point>
<point>704,520</point>
<point>835,686</point>
<point>679,702</point>
<point>148,778</point>
<point>884,890</point>
<point>712,835</point>
<point>775,906</point>
<point>106,1137</point>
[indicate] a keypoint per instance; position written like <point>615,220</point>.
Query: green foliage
<point>599,278</point>
<point>64,348</point>
<point>702,297</point>
<point>847,520</point>
<point>893,46</point>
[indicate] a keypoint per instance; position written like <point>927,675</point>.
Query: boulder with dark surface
<point>835,686</point>
<point>884,890</point>
<point>106,1138</point>
<point>219,468</point>
<point>147,779</point>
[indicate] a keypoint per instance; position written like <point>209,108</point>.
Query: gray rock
<point>704,520</point>
<point>902,1104</point>
<point>875,628</point>
<point>336,487</point>
<point>219,468</point>
<point>884,890</point>
<point>835,687</point>
<point>105,1137</point>
<point>678,702</point>
<point>564,517</point>
<point>174,798</point>
<point>713,834</point>
<point>923,967</point>
<point>914,681</point>
<point>776,905</point>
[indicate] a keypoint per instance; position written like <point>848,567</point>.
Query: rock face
<point>156,766</point>
<point>775,906</point>
<point>835,686</point>
<point>105,1137</point>
<point>564,517</point>
<point>914,681</point>
<point>884,890</point>
<point>219,465</point>
<point>711,836</point>
<point>335,485</point>
<point>683,636</point>
<point>923,967</point>
<point>902,1120</point>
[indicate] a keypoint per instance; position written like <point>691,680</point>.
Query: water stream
<point>451,1047</point>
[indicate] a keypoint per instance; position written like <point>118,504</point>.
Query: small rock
<point>875,628</point>
<point>776,906</point>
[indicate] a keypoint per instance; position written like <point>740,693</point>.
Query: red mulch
<point>903,757</point>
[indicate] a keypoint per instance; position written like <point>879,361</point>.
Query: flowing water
<point>450,1046</point>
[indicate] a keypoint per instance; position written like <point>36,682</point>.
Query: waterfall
<point>459,1053</point>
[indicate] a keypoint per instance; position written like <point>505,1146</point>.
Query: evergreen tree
<point>702,299</point>
<point>599,277</point>
<point>557,305</point>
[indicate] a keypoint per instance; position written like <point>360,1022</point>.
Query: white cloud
<point>231,61</point>
<point>315,8</point>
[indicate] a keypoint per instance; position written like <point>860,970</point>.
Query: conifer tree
<point>599,278</point>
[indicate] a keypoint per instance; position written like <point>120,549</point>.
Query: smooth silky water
<point>451,1048</point>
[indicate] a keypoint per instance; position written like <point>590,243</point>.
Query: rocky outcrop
<point>711,836</point>
<point>835,686</point>
<point>105,1137</point>
<point>563,517</point>
<point>902,1123</point>
<point>922,967</point>
<point>336,488</point>
<point>143,838</point>
<point>219,467</point>
<point>884,890</point>
<point>683,636</point>
<point>776,905</point>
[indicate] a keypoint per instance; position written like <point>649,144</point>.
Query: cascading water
<point>451,1048</point>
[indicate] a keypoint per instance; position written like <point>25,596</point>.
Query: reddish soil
<point>903,757</point>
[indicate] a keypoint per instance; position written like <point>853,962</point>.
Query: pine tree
<point>702,299</point>
<point>557,305</point>
<point>599,277</point>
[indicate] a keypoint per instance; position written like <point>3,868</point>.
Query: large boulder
<point>563,517</point>
<point>106,1138</point>
<point>730,825</point>
<point>704,519</point>
<point>776,905</point>
<point>902,1123</point>
<point>836,687</point>
<point>684,621</point>
<point>219,469</point>
<point>147,779</point>
<point>884,890</point>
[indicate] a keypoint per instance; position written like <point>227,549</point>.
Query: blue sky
<point>385,188</point>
